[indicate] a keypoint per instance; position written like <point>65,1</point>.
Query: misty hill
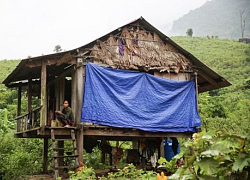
<point>215,18</point>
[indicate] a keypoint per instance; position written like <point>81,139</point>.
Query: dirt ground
<point>51,177</point>
<point>39,177</point>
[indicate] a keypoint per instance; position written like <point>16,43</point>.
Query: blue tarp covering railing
<point>130,99</point>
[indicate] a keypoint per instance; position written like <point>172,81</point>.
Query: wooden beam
<point>43,115</point>
<point>66,58</point>
<point>45,155</point>
<point>211,81</point>
<point>129,133</point>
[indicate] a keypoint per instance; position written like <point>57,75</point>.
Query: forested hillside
<point>216,18</point>
<point>6,67</point>
<point>226,110</point>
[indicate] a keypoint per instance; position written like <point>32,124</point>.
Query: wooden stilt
<point>45,155</point>
<point>162,148</point>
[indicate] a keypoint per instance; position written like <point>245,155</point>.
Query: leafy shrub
<point>128,172</point>
<point>213,155</point>
<point>85,173</point>
<point>19,156</point>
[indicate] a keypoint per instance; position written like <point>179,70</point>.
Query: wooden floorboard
<point>99,131</point>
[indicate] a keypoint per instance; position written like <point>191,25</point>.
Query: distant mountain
<point>215,18</point>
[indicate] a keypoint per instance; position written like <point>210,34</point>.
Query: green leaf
<point>210,153</point>
<point>181,171</point>
<point>207,137</point>
<point>174,176</point>
<point>208,166</point>
<point>206,177</point>
<point>162,160</point>
<point>211,133</point>
<point>222,147</point>
<point>239,164</point>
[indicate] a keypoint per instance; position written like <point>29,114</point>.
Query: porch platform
<point>111,133</point>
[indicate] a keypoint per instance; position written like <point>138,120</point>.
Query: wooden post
<point>196,88</point>
<point>45,155</point>
<point>80,141</point>
<point>29,94</point>
<point>162,153</point>
<point>19,98</point>
<point>57,94</point>
<point>43,115</point>
<point>27,126</point>
<point>61,92</point>
<point>60,153</point>
<point>73,93</point>
<point>135,144</point>
<point>80,80</point>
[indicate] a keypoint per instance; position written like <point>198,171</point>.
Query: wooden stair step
<point>66,148</point>
<point>68,167</point>
<point>71,152</point>
<point>75,155</point>
<point>63,139</point>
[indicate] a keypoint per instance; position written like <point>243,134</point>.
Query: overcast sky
<point>35,27</point>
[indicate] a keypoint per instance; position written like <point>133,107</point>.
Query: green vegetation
<point>216,18</point>
<point>227,108</point>
<point>189,32</point>
<point>225,114</point>
<point>6,66</point>
<point>58,48</point>
<point>128,172</point>
<point>215,155</point>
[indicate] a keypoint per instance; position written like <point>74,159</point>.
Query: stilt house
<point>135,48</point>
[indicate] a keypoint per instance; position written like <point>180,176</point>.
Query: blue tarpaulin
<point>139,100</point>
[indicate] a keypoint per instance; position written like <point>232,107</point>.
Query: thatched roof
<point>136,46</point>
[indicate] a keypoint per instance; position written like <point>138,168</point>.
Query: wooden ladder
<point>70,156</point>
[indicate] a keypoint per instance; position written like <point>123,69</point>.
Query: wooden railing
<point>29,120</point>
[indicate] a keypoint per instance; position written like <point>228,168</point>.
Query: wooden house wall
<point>174,76</point>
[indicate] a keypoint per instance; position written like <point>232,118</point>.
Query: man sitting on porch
<point>66,115</point>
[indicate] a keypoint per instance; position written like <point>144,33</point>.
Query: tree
<point>58,48</point>
<point>189,32</point>
<point>242,23</point>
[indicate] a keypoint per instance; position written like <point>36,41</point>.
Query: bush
<point>213,155</point>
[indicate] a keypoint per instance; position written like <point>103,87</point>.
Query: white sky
<point>35,27</point>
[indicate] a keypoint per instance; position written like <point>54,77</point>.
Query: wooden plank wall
<point>173,76</point>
